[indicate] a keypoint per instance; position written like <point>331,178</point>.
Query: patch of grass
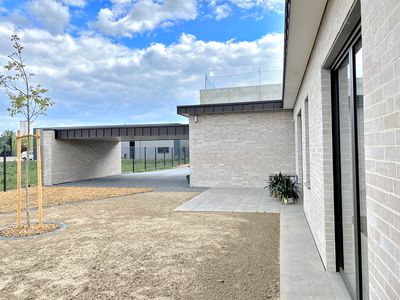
<point>127,166</point>
<point>11,174</point>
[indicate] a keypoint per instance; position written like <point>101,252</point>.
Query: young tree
<point>25,99</point>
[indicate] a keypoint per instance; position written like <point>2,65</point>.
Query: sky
<point>134,61</point>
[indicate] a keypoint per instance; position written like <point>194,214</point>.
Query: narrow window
<point>307,143</point>
<point>299,147</point>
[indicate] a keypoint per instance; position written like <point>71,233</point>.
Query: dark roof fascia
<point>114,126</point>
<point>115,132</point>
<point>234,107</point>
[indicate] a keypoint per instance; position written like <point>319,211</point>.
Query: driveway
<point>172,180</point>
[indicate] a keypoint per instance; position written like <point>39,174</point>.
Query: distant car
<point>24,155</point>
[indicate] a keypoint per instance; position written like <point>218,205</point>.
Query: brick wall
<point>381,62</point>
<point>240,149</point>
<point>316,87</point>
<point>67,160</point>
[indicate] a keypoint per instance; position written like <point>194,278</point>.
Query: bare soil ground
<point>138,247</point>
<point>55,195</point>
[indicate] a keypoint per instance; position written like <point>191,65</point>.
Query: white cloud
<point>3,9</point>
<point>53,15</point>
<point>127,18</point>
<point>94,81</point>
<point>222,11</point>
<point>273,5</point>
<point>77,3</point>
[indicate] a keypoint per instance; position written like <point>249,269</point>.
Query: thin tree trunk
<point>28,148</point>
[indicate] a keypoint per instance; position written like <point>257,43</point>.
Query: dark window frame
<point>346,53</point>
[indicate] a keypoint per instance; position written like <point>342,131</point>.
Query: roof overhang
<point>302,21</point>
<point>233,107</point>
<point>137,132</point>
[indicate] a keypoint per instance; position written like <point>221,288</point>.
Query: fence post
<point>164,158</point>
<point>155,158</point>
<point>172,156</point>
<point>184,155</point>
<point>145,156</point>
<point>4,169</point>
<point>133,160</point>
<point>179,155</point>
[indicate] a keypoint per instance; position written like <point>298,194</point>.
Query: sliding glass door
<point>349,163</point>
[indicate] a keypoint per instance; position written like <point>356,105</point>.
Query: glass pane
<point>361,167</point>
<point>346,159</point>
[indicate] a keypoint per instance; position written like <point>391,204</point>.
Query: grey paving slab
<point>232,200</point>
<point>302,275</point>
<point>173,180</point>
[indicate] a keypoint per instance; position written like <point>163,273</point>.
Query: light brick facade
<point>381,75</point>
<point>381,61</point>
<point>243,149</point>
<point>73,160</point>
<point>316,89</point>
<point>240,149</point>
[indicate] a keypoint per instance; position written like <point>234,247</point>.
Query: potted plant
<point>274,183</point>
<point>288,190</point>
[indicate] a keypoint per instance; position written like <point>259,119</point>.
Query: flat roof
<point>163,131</point>
<point>233,107</point>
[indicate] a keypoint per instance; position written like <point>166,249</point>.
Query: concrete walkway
<point>232,200</point>
<point>302,275</point>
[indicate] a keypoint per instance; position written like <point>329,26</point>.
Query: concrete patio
<point>233,200</point>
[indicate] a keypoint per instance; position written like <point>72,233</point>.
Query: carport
<point>81,153</point>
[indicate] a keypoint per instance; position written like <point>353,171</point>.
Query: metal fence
<point>144,159</point>
<point>8,172</point>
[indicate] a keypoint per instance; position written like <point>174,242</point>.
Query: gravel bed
<point>56,195</point>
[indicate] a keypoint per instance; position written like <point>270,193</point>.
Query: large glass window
<point>359,104</point>
<point>350,188</point>
<point>346,170</point>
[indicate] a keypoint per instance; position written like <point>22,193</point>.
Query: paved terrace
<point>232,200</point>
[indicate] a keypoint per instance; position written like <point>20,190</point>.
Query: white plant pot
<point>288,200</point>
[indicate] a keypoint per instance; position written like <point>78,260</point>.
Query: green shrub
<point>283,187</point>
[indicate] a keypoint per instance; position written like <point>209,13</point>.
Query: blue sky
<point>133,61</point>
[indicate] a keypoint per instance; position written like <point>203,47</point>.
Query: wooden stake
<point>39,178</point>
<point>19,178</point>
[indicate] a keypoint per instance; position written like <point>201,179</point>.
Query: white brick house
<point>337,128</point>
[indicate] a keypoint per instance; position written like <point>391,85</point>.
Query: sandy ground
<point>137,247</point>
<point>55,195</point>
